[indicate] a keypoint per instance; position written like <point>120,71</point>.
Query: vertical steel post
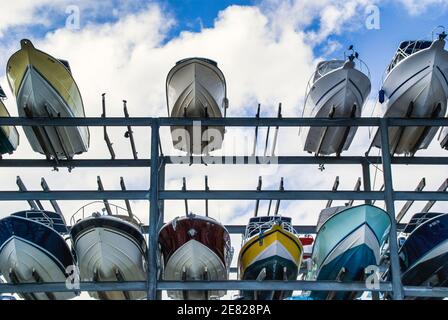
<point>389,199</point>
<point>366,178</point>
<point>153,212</point>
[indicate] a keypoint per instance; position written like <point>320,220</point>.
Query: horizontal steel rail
<point>218,160</point>
<point>410,291</point>
<point>229,122</point>
<point>220,195</point>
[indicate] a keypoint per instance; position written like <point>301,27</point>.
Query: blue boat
<point>349,239</point>
<point>424,254</point>
<point>32,250</point>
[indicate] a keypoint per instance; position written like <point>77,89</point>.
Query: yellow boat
<point>9,137</point>
<point>271,251</point>
<point>44,87</point>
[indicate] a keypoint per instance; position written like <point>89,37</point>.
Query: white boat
<point>110,248</point>
<point>44,87</point>
<point>196,88</point>
<point>337,89</point>
<point>416,86</point>
<point>32,250</point>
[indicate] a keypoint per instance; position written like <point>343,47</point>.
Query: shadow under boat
<point>32,250</point>
<point>193,248</point>
<point>271,250</point>
<point>349,239</point>
<point>337,89</point>
<point>44,87</point>
<point>109,247</point>
<point>196,88</point>
<point>415,86</point>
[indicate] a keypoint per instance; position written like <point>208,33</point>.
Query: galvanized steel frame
<point>156,196</point>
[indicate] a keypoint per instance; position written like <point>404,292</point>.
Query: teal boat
<point>9,137</point>
<point>349,239</point>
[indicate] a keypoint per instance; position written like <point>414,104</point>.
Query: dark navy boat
<point>32,250</point>
<point>424,254</point>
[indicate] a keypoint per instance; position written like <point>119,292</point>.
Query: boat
<point>33,250</point>
<point>44,87</point>
<point>337,89</point>
<point>9,136</point>
<point>109,246</point>
<point>271,250</point>
<point>194,248</point>
<point>196,88</point>
<point>348,240</point>
<point>443,138</point>
<point>424,254</point>
<point>415,86</point>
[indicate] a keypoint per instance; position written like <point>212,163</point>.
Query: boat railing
<point>56,223</point>
<point>105,209</point>
<point>360,65</point>
<point>256,228</point>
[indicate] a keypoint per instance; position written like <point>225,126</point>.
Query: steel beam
<point>229,122</point>
<point>153,214</point>
<point>214,160</point>
<point>389,200</point>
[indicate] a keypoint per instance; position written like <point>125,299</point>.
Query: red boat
<point>195,248</point>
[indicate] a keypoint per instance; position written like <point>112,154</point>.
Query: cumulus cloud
<point>266,54</point>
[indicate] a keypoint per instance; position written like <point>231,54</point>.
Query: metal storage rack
<point>156,195</point>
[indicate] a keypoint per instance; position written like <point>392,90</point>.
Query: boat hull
<point>31,252</point>
<point>9,137</point>
<point>196,89</point>
<point>338,94</point>
<point>44,87</point>
<point>195,248</point>
<point>109,249</point>
<point>416,88</point>
<point>275,255</point>
<point>424,255</point>
<point>346,244</point>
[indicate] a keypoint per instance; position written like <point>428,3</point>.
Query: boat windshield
<point>99,208</point>
<point>325,67</point>
<point>51,219</point>
<point>259,225</point>
<point>406,49</point>
<point>326,214</point>
<point>418,219</point>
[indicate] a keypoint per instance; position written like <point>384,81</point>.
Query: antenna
<point>335,188</point>
<point>34,204</point>
<point>206,200</point>
<point>126,201</point>
<point>129,133</point>
<point>257,202</point>
<point>277,207</point>
<point>409,203</point>
<point>106,135</point>
<point>184,189</point>
<point>105,201</point>
<point>274,144</point>
<point>257,116</point>
<point>430,204</point>
<point>357,189</point>
<point>54,203</point>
